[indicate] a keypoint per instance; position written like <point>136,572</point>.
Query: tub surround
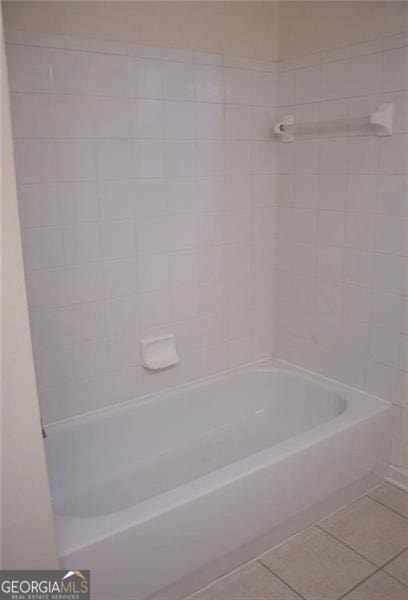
<point>343,246</point>
<point>147,199</point>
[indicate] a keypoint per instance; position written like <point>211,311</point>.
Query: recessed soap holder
<point>159,352</point>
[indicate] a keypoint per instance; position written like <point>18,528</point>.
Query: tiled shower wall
<point>146,184</point>
<point>342,295</point>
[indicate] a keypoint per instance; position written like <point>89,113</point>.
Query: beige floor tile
<point>399,567</point>
<point>392,496</point>
<point>379,587</point>
<point>369,528</point>
<point>317,566</point>
<point>252,582</point>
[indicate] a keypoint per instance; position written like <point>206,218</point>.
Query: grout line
<point>282,580</point>
<point>388,507</point>
<point>358,584</point>
<point>393,558</point>
<point>347,546</point>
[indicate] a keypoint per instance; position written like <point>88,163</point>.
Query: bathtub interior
<point>106,462</point>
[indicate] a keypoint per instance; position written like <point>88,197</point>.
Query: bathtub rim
<point>270,364</point>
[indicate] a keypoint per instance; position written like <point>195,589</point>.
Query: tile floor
<point>359,552</point>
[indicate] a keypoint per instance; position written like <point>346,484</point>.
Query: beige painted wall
<point>27,528</point>
<point>308,27</point>
<point>248,29</point>
<point>263,30</point>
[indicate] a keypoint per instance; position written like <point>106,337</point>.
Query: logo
<point>45,585</point>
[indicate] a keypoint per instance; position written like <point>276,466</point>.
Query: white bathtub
<point>160,496</point>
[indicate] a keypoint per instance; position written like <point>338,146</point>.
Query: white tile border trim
<point>102,46</point>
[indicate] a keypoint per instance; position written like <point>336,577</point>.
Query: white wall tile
<point>54,367</point>
<point>264,89</point>
<point>180,195</point>
<point>335,80</point>
<point>84,282</point>
<point>363,155</point>
<point>79,201</point>
<point>180,119</point>
<point>184,302</point>
<point>392,194</point>
<point>42,247</point>
<point>365,74</point>
<point>210,157</point>
<point>210,121</point>
<point>113,159</point>
<point>332,192</point>
<point>179,81</point>
<point>286,88</point>
<point>46,288</point>
<point>33,115</point>
<point>111,117</point>
<point>183,267</point>
<point>391,234</point>
<point>393,154</point>
<point>333,156</point>
<point>117,239</point>
<point>109,75</point>
<point>148,158</point>
<point>238,86</point>
<point>154,308</point>
<point>122,316</point>
<point>362,193</point>
<point>151,235</point>
<point>76,160</point>
<point>35,161</point>
<point>360,230</point>
<point>115,199</point>
<point>87,321</point>
<point>50,328</point>
<point>90,358</point>
<point>149,198</point>
<point>81,243</point>
<point>388,311</point>
<point>389,273</point>
<point>147,119</point>
<point>73,116</point>
<point>39,204</point>
<point>209,83</point>
<point>119,277</point>
<point>307,84</point>
<point>358,267</point>
<point>28,69</point>
<point>384,346</point>
<point>394,77</point>
<point>153,272</point>
<point>180,158</point>
<point>71,71</point>
<point>145,78</point>
<point>182,231</point>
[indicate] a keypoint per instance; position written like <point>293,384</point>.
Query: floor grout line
<point>389,507</point>
<point>348,547</point>
<point>358,584</point>
<point>395,578</point>
<point>282,580</point>
<point>394,557</point>
<point>389,562</point>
